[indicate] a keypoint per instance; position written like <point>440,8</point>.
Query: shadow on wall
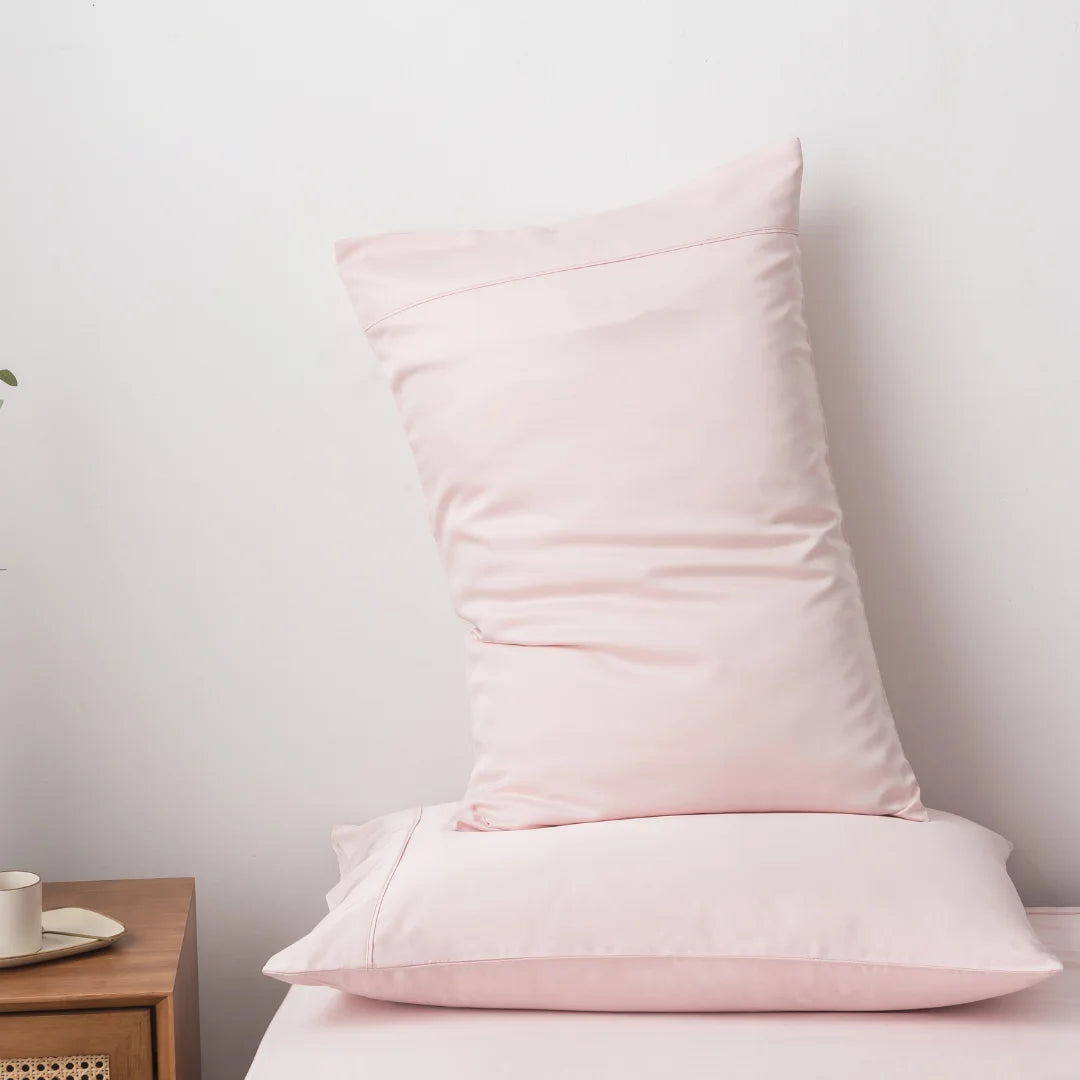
<point>957,760</point>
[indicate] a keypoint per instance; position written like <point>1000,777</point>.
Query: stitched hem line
<point>1049,969</point>
<point>386,885</point>
<point>580,266</point>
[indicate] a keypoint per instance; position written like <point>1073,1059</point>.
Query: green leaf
<point>8,377</point>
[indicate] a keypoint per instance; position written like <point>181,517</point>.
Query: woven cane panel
<point>90,1067</point>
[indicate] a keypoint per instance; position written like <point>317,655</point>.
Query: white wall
<point>224,628</point>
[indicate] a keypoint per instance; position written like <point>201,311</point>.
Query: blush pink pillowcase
<point>617,428</point>
<point>732,912</point>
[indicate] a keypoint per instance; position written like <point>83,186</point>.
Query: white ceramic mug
<point>20,913</point>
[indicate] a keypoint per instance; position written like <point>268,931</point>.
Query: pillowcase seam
<point>1054,966</point>
<point>765,230</point>
<point>386,885</point>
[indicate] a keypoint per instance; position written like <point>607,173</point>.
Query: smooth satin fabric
<point>719,912</point>
<point>1032,1035</point>
<point>617,428</point>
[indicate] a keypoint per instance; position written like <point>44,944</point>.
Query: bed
<point>1030,1035</point>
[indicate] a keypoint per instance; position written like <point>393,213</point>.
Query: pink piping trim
<point>386,885</point>
<point>580,266</point>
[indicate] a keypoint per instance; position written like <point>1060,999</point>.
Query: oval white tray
<point>66,932</point>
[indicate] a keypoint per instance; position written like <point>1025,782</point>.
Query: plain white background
<point>223,627</point>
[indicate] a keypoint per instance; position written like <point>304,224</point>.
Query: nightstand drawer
<point>111,1044</point>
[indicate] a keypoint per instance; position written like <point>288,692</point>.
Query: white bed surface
<point>1030,1035</point>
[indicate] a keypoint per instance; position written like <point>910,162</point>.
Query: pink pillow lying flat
<point>736,912</point>
<point>617,428</point>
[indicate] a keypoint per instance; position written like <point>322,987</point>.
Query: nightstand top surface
<point>139,969</point>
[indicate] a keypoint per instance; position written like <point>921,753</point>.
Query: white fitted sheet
<point>1030,1035</point>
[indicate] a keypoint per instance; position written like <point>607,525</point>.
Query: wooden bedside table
<point>129,1012</point>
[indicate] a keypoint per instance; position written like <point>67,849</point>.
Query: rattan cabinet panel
<point>109,1044</point>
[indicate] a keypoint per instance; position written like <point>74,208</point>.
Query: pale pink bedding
<point>695,913</point>
<point>1032,1034</point>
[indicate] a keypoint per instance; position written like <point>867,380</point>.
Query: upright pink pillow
<point>618,431</point>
